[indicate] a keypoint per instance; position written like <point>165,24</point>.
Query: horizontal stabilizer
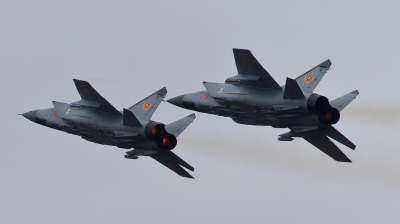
<point>341,102</point>
<point>317,136</point>
<point>173,162</point>
<point>331,132</point>
<point>292,90</point>
<point>326,146</point>
<point>310,79</point>
<point>129,119</point>
<point>88,93</point>
<point>177,127</point>
<point>247,65</point>
<point>146,107</point>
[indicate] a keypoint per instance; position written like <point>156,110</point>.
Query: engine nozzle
<point>169,142</point>
<point>163,139</point>
<point>319,105</point>
<point>329,116</point>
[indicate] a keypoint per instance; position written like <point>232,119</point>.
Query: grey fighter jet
<point>253,97</point>
<point>96,120</point>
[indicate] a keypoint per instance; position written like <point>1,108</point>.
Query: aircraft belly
<point>150,145</point>
<point>254,122</point>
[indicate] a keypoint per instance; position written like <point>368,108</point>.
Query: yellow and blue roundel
<point>68,110</point>
<point>221,89</point>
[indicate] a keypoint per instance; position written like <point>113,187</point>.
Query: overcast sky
<point>129,49</point>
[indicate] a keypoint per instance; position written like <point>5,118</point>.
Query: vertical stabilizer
<point>310,79</point>
<point>341,102</point>
<point>177,127</point>
<point>146,107</point>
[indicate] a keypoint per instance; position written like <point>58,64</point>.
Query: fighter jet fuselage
<point>106,129</point>
<point>245,106</point>
<point>253,97</point>
<point>96,120</point>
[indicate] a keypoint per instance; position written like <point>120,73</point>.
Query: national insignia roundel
<point>246,60</point>
<point>309,78</point>
<point>329,150</point>
<point>146,106</point>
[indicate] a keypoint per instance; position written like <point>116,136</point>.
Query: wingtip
<point>326,63</point>
<point>345,160</point>
<point>77,81</point>
<point>240,49</point>
<point>192,116</point>
<point>190,168</point>
<point>187,175</point>
<point>162,91</point>
<point>355,92</point>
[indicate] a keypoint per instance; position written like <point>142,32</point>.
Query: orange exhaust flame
<point>166,141</point>
<point>154,131</point>
<point>328,116</point>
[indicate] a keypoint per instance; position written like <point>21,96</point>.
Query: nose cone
<point>31,115</point>
<point>177,101</point>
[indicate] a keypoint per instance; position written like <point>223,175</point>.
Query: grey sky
<point>127,50</point>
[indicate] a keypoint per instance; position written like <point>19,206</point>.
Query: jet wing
<point>250,72</point>
<point>61,108</point>
<point>88,93</point>
<point>173,162</point>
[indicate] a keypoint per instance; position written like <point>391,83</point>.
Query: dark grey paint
<point>252,97</point>
<point>96,120</point>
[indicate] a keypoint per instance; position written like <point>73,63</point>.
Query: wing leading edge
<point>250,72</point>
<point>88,93</point>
